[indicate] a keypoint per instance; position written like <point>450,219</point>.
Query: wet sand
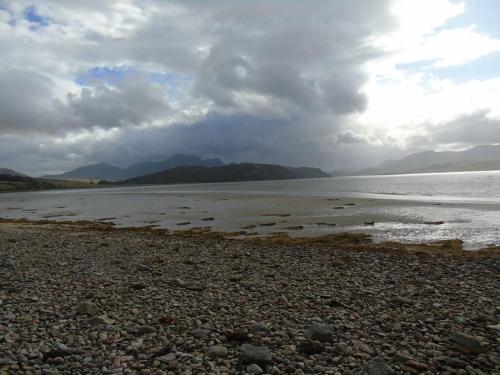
<point>265,214</point>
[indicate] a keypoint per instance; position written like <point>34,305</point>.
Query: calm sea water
<point>401,206</point>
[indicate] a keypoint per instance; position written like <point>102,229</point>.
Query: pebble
<point>321,332</point>
<point>254,369</point>
<point>217,351</point>
<point>171,302</point>
<point>87,308</point>
<point>468,343</point>
<point>255,354</point>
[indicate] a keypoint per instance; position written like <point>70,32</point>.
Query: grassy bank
<point>42,184</point>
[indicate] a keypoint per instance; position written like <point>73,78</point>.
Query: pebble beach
<point>91,300</point>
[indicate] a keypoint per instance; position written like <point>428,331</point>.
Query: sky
<point>334,84</point>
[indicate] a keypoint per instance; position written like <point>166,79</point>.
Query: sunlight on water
<point>403,207</point>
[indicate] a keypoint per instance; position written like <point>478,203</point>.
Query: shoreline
<point>350,241</point>
<point>91,298</point>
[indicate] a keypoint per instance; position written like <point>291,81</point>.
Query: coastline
<point>97,299</point>
<point>350,241</point>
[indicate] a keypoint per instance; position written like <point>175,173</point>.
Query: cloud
<point>477,128</point>
<point>305,83</point>
<point>132,102</point>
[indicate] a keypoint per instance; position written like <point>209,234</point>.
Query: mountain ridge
<point>104,171</point>
<point>482,157</point>
<point>227,173</point>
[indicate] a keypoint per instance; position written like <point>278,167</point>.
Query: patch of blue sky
<point>109,74</point>
<point>481,69</point>
<point>31,15</point>
<point>482,13</point>
<point>175,84</point>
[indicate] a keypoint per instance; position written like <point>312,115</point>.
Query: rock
<point>9,263</point>
<point>199,333</point>
<point>255,354</point>
<point>363,347</point>
<point>495,327</point>
<point>467,343</point>
<point>321,332</point>
<point>259,327</point>
<point>145,330</point>
<point>190,285</point>
<point>87,308</point>
<point>238,336</point>
<point>451,362</point>
<point>378,367</point>
<point>311,347</point>
<point>62,351</point>
<point>421,367</point>
<point>143,268</point>
<point>138,286</point>
<point>254,369</point>
<point>217,351</point>
<point>167,357</point>
<point>402,357</point>
<point>402,300</point>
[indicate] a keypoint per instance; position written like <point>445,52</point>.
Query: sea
<point>410,208</point>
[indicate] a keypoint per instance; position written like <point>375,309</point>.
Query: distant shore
<point>95,299</point>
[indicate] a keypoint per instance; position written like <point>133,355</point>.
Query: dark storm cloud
<point>26,102</point>
<point>131,102</point>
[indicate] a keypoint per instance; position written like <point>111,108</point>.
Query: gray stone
<point>217,351</point>
<point>87,308</point>
<point>145,330</point>
<point>451,362</point>
<point>199,333</point>
<point>167,357</point>
<point>259,327</point>
<point>8,262</point>
<point>467,343</point>
<point>378,367</point>
<point>255,354</point>
<point>255,369</point>
<point>311,347</point>
<point>321,332</point>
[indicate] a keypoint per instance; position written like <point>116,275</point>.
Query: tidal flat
<point>90,298</point>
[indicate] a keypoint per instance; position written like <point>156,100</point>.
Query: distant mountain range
<point>103,171</point>
<point>10,172</point>
<point>227,173</point>
<point>479,158</point>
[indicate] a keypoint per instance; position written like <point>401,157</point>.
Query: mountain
<point>227,173</point>
<point>478,158</point>
<point>10,172</point>
<point>177,160</point>
<point>103,171</point>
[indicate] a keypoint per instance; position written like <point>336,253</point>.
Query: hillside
<point>103,171</point>
<point>475,159</point>
<point>227,173</point>
<point>10,172</point>
<point>177,160</point>
<point>10,183</point>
